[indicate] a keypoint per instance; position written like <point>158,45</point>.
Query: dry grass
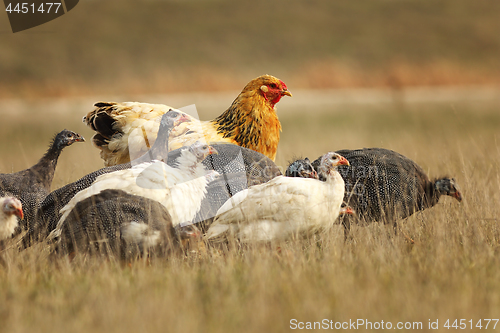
<point>452,270</point>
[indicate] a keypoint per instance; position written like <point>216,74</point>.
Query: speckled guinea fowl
<point>123,223</point>
<point>32,185</point>
<point>383,185</point>
<point>301,168</point>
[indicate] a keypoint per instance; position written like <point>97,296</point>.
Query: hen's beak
<point>343,161</point>
<point>212,150</point>
<point>286,93</point>
<point>19,213</point>
<point>457,195</point>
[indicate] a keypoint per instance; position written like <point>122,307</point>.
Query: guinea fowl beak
<point>457,195</point>
<point>285,92</point>
<point>182,119</point>
<point>311,174</point>
<point>347,210</point>
<point>212,150</point>
<point>80,139</point>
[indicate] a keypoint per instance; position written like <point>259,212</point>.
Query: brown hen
<point>125,129</point>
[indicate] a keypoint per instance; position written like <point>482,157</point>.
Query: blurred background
<point>166,46</point>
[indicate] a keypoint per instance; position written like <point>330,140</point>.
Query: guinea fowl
<point>32,185</point>
<point>251,121</point>
<point>301,168</point>
<point>114,220</point>
<point>282,208</point>
<point>180,189</point>
<point>383,185</point>
<point>10,210</point>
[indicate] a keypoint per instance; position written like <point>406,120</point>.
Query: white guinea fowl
<point>180,189</point>
<point>10,210</point>
<point>282,208</point>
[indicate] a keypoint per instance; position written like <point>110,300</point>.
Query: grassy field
<point>451,272</point>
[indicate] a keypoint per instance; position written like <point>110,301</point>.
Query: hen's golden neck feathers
<point>251,120</point>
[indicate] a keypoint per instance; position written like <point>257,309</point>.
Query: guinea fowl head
<point>66,138</point>
<point>188,235</point>
<point>301,168</point>
<point>168,121</point>
<point>201,150</point>
<point>270,87</point>
<point>188,231</point>
<point>448,186</point>
<point>330,161</point>
<point>346,209</point>
<point>12,206</point>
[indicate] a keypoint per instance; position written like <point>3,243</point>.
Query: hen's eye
<point>273,85</point>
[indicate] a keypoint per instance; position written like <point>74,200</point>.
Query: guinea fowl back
<point>101,222</point>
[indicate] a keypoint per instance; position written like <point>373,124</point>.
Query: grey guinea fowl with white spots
<point>301,168</point>
<point>128,225</point>
<point>385,186</point>
<point>32,185</point>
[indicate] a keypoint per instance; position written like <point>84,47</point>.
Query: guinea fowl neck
<point>159,150</point>
<point>45,168</point>
<point>431,194</point>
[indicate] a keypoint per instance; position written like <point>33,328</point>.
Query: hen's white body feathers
<point>282,208</point>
